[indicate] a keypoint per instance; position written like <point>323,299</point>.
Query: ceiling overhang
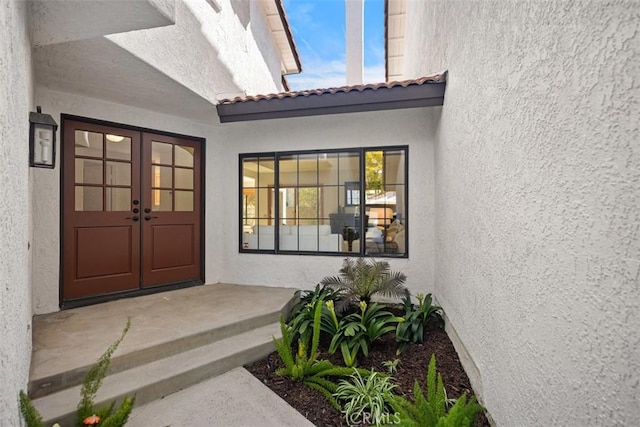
<point>424,92</point>
<point>52,22</point>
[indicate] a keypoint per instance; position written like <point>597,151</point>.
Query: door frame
<point>95,299</point>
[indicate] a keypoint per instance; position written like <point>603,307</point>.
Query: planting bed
<point>413,365</point>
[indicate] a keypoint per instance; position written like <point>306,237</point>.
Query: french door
<point>131,210</point>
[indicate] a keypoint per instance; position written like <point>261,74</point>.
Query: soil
<point>413,364</point>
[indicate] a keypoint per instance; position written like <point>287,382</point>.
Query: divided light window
<point>351,201</point>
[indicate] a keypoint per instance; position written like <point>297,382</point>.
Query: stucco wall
<point>537,195</point>
<point>214,54</point>
<point>404,127</point>
<point>15,306</point>
<point>46,187</point>
<point>223,262</point>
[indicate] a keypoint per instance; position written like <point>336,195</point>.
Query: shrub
<point>357,331</point>
<point>301,319</point>
<point>362,278</point>
<point>412,329</point>
<point>305,366</point>
<point>431,411</point>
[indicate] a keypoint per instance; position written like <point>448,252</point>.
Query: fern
<point>431,411</point>
<point>30,414</point>
<point>120,417</point>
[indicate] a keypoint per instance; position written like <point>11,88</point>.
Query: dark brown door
<point>131,210</point>
<point>171,206</point>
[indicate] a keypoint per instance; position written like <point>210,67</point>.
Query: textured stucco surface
<point>399,127</point>
<point>537,195</point>
<point>214,54</point>
<point>223,262</point>
<point>46,187</point>
<point>15,306</point>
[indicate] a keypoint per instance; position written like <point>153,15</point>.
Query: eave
<point>423,92</point>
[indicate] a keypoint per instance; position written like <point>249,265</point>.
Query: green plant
<point>90,386</point>
<point>305,366</point>
<point>357,331</point>
<point>362,278</point>
<point>301,319</point>
<point>30,414</point>
<point>431,411</point>
<point>415,318</point>
<point>366,399</point>
<point>391,365</point>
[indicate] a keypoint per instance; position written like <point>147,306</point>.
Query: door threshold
<point>99,299</point>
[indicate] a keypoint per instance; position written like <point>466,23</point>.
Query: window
<point>351,201</point>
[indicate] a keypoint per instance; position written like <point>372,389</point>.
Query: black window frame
<point>361,151</point>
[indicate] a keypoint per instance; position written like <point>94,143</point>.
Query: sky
<point>318,28</point>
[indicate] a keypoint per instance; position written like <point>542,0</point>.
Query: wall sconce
<point>42,140</point>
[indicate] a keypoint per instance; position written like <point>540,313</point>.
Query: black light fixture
<point>42,140</point>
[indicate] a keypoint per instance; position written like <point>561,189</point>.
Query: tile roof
<point>436,78</point>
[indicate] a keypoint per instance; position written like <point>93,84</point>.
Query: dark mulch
<point>414,361</point>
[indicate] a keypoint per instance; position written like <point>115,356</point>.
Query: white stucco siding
<point>537,187</point>
<point>46,187</point>
<point>15,306</point>
<point>212,53</point>
<point>403,127</point>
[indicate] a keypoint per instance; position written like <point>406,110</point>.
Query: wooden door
<point>101,240</point>
<point>131,210</point>
<point>171,210</point>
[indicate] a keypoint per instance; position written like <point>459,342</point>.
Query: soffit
<point>99,68</point>
<point>394,25</point>
<point>52,22</point>
<point>281,32</point>
<point>423,92</point>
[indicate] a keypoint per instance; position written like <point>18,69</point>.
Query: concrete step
<point>129,355</point>
<point>159,378</point>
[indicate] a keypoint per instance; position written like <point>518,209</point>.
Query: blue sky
<point>318,28</point>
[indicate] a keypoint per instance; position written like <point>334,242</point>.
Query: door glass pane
<point>161,200</point>
<point>118,173</point>
<point>88,198</point>
<point>88,171</point>
<point>184,201</point>
<point>184,156</point>
<point>118,147</point>
<point>118,199</point>
<point>161,176</point>
<point>88,143</point>
<point>161,153</point>
<point>184,178</point>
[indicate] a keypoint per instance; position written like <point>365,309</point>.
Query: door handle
<point>148,217</point>
<point>134,218</point>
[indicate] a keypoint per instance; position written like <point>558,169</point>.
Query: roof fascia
<point>426,95</point>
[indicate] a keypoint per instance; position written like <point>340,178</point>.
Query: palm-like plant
<point>361,278</point>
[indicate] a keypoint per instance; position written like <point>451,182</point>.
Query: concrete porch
<point>177,339</point>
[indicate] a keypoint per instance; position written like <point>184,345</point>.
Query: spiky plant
<point>431,410</point>
<point>305,366</point>
<point>361,278</point>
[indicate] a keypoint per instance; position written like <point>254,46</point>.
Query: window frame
<point>348,185</point>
